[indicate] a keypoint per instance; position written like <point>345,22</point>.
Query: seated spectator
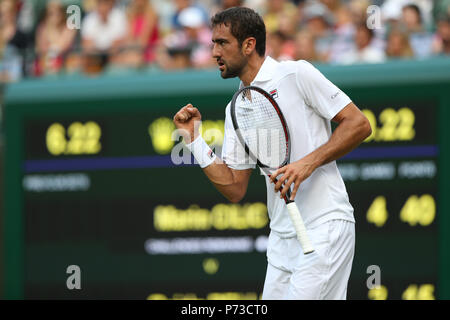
<point>411,18</point>
<point>170,58</point>
<point>194,39</point>
<point>279,46</point>
<point>180,5</point>
<point>180,58</point>
<point>304,47</point>
<point>53,39</point>
<point>13,42</point>
<point>103,34</point>
<point>391,11</point>
<point>319,23</point>
<point>398,46</point>
<point>358,10</point>
<point>441,43</point>
<point>142,37</point>
<point>344,33</point>
<point>225,4</point>
<point>280,16</point>
<point>332,5</point>
<point>363,51</point>
<point>421,41</point>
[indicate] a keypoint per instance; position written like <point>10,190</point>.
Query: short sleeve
<point>325,98</point>
<point>233,153</point>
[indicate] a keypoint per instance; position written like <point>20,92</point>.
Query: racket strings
<point>261,128</point>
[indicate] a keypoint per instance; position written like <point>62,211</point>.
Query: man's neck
<point>251,70</point>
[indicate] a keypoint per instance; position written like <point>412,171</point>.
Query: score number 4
<point>412,292</point>
<point>77,139</point>
<point>416,210</point>
<point>395,125</point>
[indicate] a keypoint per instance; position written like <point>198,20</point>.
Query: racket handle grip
<point>300,228</point>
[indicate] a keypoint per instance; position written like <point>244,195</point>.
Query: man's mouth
<point>221,65</point>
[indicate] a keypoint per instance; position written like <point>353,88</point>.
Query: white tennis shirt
<point>308,101</point>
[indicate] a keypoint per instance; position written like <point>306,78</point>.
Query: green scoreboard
<point>97,181</point>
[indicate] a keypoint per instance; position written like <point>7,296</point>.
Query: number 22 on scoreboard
<point>395,125</point>
<point>76,140</point>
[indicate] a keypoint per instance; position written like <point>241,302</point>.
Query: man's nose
<point>215,52</point>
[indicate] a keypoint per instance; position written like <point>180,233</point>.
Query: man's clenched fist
<point>188,120</point>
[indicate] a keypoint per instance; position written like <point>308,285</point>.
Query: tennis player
<point>309,103</point>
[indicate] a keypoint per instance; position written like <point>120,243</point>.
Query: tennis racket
<point>264,134</point>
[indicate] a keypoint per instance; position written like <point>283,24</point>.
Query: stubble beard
<point>235,70</point>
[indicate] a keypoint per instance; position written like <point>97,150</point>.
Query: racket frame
<point>293,212</point>
<point>263,167</point>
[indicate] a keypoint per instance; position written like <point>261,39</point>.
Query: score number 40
<point>396,125</point>
<point>416,210</point>
<point>78,139</point>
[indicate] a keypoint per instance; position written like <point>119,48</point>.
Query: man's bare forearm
<point>231,183</point>
<point>346,137</point>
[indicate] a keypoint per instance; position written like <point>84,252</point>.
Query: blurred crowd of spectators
<point>42,37</point>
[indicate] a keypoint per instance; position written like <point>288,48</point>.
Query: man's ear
<point>248,45</point>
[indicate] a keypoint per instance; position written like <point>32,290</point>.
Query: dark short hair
<point>243,23</point>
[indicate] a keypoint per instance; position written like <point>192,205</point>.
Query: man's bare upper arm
<point>349,111</point>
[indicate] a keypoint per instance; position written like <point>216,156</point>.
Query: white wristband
<point>201,152</point>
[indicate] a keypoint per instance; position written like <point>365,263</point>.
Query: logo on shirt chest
<point>274,93</point>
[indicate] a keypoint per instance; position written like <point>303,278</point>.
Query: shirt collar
<point>266,71</point>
